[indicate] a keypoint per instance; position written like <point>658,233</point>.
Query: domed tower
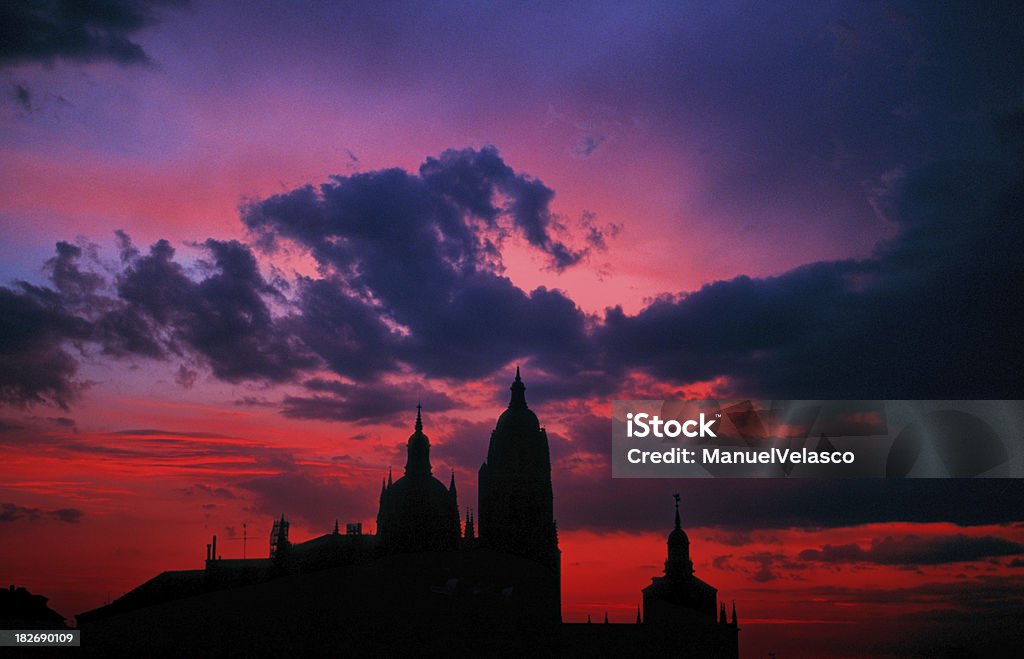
<point>516,511</point>
<point>417,512</point>
<point>679,595</point>
<point>678,563</point>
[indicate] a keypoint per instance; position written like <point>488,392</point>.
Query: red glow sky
<point>707,142</point>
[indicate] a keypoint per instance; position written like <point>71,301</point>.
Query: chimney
<point>214,547</point>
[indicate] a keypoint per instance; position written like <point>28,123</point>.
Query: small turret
<point>418,462</point>
<point>721,616</point>
<point>678,563</point>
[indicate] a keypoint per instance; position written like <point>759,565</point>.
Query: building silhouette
<point>516,503</point>
<point>417,512</point>
<point>422,584</point>
<point>20,609</point>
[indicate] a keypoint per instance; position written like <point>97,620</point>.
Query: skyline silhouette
<point>432,584</point>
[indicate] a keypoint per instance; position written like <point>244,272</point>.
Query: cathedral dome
<point>518,442</point>
<point>517,419</point>
<point>418,463</point>
<point>678,538</point>
<point>678,563</point>
<point>424,495</point>
<point>417,512</point>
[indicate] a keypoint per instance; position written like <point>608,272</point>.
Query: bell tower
<point>515,514</point>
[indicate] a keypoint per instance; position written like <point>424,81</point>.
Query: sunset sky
<point>240,241</point>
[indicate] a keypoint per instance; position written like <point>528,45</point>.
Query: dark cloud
<point>410,283</point>
<point>10,512</point>
<point>439,217</point>
<point>414,268</point>
<point>916,550</point>
<point>768,566</point>
<point>157,432</point>
<point>223,317</point>
<point>463,445</point>
<point>254,401</point>
<point>933,315</point>
<point>199,489</point>
<point>67,515</point>
<point>347,333</point>
<point>588,144</point>
<point>153,309</point>
<point>588,499</point>
<point>81,31</point>
<point>340,401</point>
<point>66,273</point>
<point>595,234</point>
<point>586,436</point>
<point>34,365</point>
<point>23,95</point>
<point>472,180</point>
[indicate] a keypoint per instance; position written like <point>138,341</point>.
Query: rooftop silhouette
<point>422,583</point>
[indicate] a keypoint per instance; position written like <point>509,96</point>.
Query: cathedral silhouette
<point>423,584</point>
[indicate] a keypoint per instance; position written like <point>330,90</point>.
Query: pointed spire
<point>335,526</point>
<point>678,525</point>
<point>638,620</point>
<point>518,392</point>
<point>588,618</point>
<point>734,613</point>
<point>418,461</point>
<point>721,615</point>
<point>451,485</point>
<point>606,617</point>
<point>389,476</point>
